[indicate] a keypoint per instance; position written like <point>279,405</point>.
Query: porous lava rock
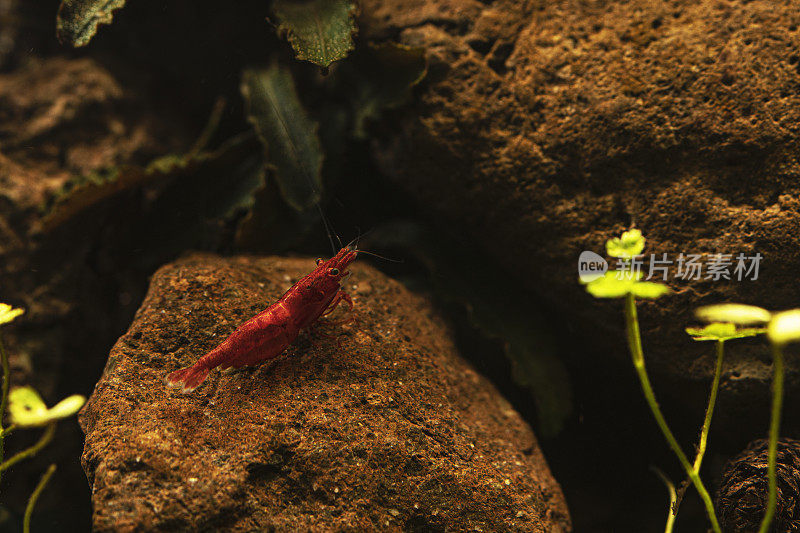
<point>547,127</point>
<point>388,429</point>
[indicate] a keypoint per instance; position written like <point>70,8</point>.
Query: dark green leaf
<point>320,31</point>
<point>83,192</point>
<point>288,134</point>
<point>77,20</point>
<point>385,76</point>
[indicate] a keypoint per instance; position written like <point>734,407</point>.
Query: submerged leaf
<point>26,408</point>
<point>629,245</point>
<point>722,331</point>
<point>8,313</point>
<point>320,31</point>
<point>619,283</point>
<point>741,314</point>
<point>784,327</point>
<point>383,78</point>
<point>649,289</point>
<point>77,20</point>
<point>200,206</point>
<point>83,192</point>
<point>288,134</point>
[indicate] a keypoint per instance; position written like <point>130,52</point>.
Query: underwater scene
<point>400,265</point>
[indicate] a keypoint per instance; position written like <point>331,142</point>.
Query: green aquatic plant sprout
<point>782,328</point>
<point>718,332</point>
<point>673,498</point>
<point>628,246</point>
<point>628,285</point>
<point>26,409</point>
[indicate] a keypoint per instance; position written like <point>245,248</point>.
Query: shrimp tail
<point>189,378</point>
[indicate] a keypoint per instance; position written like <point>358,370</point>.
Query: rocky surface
<point>571,121</point>
<point>387,430</point>
<point>743,491</point>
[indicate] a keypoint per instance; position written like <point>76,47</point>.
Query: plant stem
<point>33,450</point>
<point>774,427</point>
<point>635,344</point>
<point>673,498</point>
<point>712,400</point>
<point>26,523</point>
<point>3,396</point>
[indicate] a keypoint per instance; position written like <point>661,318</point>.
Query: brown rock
<point>548,127</point>
<point>742,496</point>
<point>391,430</point>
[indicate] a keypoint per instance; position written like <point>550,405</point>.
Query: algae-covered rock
<point>386,430</point>
<point>548,127</point>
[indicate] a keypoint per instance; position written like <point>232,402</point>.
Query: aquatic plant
<point>627,283</point>
<point>27,410</point>
<point>782,328</point>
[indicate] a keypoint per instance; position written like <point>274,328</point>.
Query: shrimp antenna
<point>358,238</point>
<point>328,227</point>
<point>380,256</point>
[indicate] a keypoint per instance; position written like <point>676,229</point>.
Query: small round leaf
<point>629,245</point>
<point>620,283</point>
<point>784,327</point>
<point>722,331</point>
<point>649,289</point>
<point>739,314</point>
<point>613,284</point>
<point>8,313</point>
<point>26,408</point>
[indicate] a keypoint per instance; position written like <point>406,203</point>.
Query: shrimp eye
<point>334,271</point>
<point>319,260</point>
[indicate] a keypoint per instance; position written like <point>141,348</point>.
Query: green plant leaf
<point>77,20</point>
<point>784,327</point>
<point>320,31</point>
<point>739,314</point>
<point>722,331</point>
<point>613,284</point>
<point>67,407</point>
<point>82,192</point>
<point>628,246</point>
<point>649,289</point>
<point>199,206</point>
<point>9,314</point>
<point>620,283</point>
<point>287,133</point>
<point>382,78</point>
<point>26,408</point>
